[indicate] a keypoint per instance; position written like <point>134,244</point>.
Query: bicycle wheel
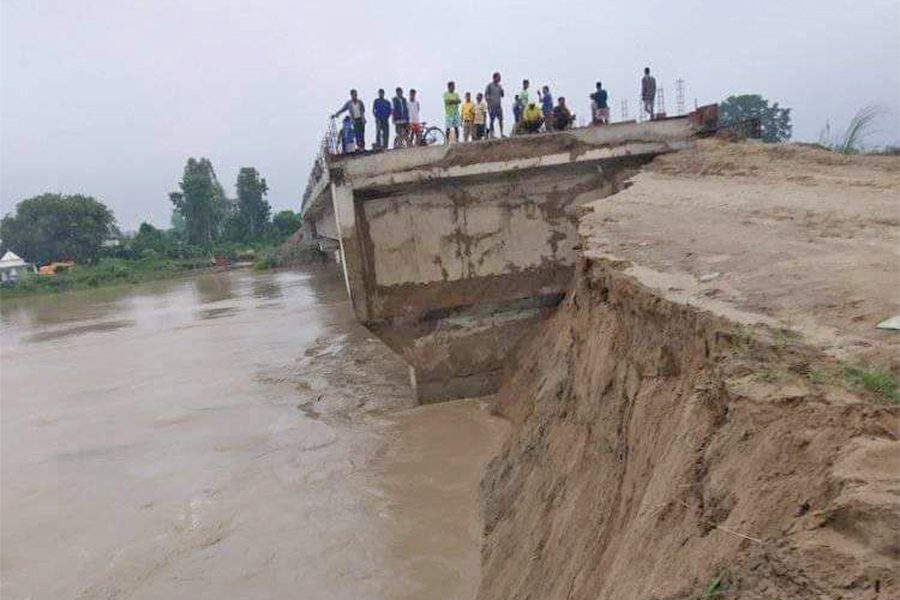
<point>401,141</point>
<point>433,135</point>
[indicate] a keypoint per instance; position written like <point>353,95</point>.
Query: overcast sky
<point>109,97</point>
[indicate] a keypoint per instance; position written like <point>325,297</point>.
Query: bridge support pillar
<point>351,253</point>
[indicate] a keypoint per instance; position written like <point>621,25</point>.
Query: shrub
<point>290,256</point>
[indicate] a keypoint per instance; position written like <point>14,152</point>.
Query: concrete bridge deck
<point>452,253</point>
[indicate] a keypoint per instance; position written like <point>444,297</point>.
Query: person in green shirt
<point>523,97</point>
<point>451,109</point>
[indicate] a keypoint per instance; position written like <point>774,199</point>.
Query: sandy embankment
<point>681,424</point>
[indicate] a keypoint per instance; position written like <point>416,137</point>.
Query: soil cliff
<point>664,449</point>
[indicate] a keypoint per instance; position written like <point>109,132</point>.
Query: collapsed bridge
<point>451,254</point>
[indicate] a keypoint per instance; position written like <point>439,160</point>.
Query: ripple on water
<point>217,313</point>
<point>55,334</point>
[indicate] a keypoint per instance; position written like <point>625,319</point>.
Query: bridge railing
<point>327,146</point>
<point>748,128</point>
<point>706,118</point>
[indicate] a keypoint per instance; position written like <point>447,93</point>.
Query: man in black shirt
<point>561,115</point>
<point>600,106</point>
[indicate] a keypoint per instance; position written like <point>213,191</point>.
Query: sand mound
<point>802,163</point>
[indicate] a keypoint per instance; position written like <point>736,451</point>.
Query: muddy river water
<point>230,435</point>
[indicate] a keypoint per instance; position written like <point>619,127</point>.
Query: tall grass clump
<point>860,128</point>
<point>874,378</point>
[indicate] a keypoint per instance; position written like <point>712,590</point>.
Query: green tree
<point>285,223</point>
<point>234,228</point>
<point>57,227</point>
<point>775,121</point>
<point>179,225</point>
<point>149,238</point>
<point>224,208</point>
<point>201,202</point>
<point>252,205</point>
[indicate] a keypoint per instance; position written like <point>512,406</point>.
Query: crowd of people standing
<point>477,118</point>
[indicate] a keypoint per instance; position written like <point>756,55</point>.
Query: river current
<point>229,435</point>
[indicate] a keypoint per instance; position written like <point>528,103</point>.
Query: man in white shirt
<point>415,127</point>
<point>357,111</point>
<point>481,112</point>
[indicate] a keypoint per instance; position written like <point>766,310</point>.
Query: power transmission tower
<point>679,96</point>
<point>624,110</point>
<point>660,107</point>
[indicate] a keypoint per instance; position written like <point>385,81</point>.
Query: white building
<point>12,267</point>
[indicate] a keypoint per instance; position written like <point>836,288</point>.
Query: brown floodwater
<point>231,435</point>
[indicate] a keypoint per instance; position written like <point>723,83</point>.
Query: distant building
<point>12,267</point>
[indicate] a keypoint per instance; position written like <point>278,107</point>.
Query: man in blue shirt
<point>348,136</point>
<point>381,108</point>
<point>547,107</point>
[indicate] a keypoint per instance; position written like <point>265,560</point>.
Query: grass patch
<point>716,588</point>
<point>874,378</point>
<point>765,375</point>
<point>860,375</point>
<point>742,340</point>
<point>820,376</point>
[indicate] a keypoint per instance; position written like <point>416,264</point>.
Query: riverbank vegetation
<point>207,229</point>
<point>107,271</point>
<point>57,227</point>
<point>289,256</point>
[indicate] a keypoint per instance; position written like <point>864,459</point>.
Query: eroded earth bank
<point>709,412</point>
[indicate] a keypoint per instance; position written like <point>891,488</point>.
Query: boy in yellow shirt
<point>468,118</point>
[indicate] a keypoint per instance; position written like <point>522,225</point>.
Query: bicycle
<point>424,136</point>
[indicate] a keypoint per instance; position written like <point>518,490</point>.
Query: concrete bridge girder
<point>452,254</point>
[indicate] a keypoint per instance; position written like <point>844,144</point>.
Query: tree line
<point>205,221</point>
